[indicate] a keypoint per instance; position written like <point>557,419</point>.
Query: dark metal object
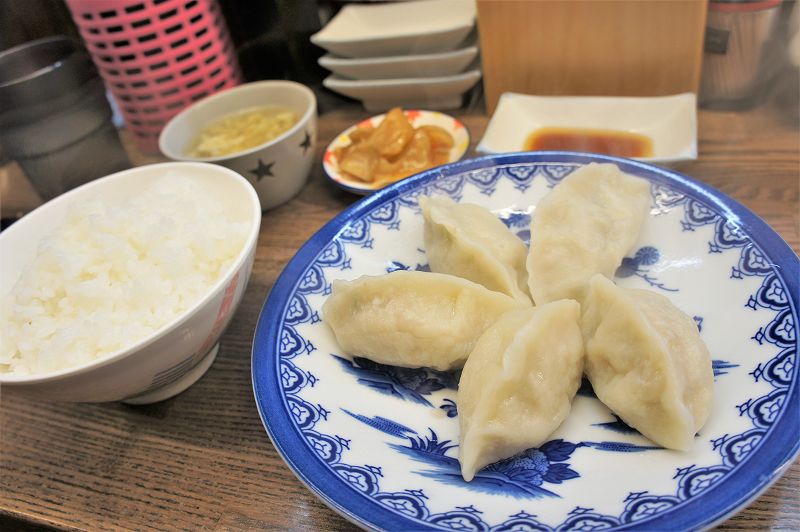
<point>55,120</point>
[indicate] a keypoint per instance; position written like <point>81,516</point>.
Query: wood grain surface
<point>591,47</point>
<point>202,460</point>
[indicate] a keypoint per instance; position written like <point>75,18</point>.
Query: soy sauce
<point>605,141</point>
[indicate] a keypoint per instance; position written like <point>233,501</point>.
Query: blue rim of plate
<point>776,452</point>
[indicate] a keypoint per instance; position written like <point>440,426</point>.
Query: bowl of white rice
<point>120,289</point>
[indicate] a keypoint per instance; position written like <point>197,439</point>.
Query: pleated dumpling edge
<point>518,383</point>
<point>467,240</point>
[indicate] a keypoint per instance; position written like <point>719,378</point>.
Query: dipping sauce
<point>242,130</point>
<point>605,141</point>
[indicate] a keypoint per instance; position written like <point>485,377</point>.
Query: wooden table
<point>203,459</point>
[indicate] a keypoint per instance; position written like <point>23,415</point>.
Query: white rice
<point>112,274</point>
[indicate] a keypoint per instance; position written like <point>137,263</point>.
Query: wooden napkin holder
<point>591,47</point>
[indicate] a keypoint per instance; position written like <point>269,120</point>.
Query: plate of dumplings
<point>535,341</point>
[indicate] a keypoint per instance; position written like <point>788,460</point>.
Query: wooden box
<point>591,47</point>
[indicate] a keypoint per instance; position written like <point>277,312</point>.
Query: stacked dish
<point>410,54</point>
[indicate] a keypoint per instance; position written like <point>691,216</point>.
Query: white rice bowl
<point>114,273</point>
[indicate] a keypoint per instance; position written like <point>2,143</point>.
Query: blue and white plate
<point>378,443</point>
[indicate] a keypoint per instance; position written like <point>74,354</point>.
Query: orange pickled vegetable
<point>440,139</point>
<point>361,134</point>
<point>392,135</point>
<point>394,150</point>
<point>360,161</point>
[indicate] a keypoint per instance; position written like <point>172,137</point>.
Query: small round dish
<point>417,118</point>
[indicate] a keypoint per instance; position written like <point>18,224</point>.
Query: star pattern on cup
<point>262,170</point>
<point>306,144</point>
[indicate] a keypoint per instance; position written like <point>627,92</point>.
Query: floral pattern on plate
<point>378,444</point>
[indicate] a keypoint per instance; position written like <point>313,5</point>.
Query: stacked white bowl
<point>419,54</point>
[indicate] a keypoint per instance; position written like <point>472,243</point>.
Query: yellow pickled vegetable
<point>393,150</point>
<point>242,130</point>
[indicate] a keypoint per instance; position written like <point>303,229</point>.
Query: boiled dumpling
<point>584,226</point>
<point>647,362</point>
<point>412,318</point>
<point>467,240</point>
<point>518,383</point>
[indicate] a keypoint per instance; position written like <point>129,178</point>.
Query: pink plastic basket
<point>157,56</point>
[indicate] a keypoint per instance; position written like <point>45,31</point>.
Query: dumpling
<point>647,362</point>
<point>469,241</point>
<point>584,226</point>
<point>518,383</point>
<point>412,318</point>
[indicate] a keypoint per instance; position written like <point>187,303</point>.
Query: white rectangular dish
<point>401,66</point>
<point>670,121</point>
<point>440,93</point>
<point>395,29</point>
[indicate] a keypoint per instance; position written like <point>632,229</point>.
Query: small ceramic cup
<point>277,169</point>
